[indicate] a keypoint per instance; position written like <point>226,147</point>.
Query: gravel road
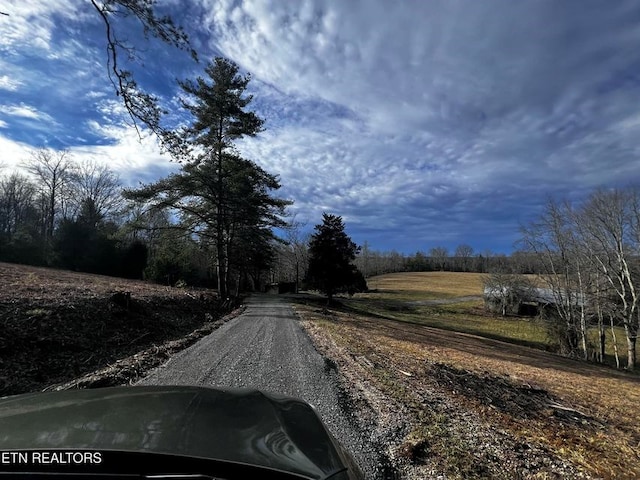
<point>265,348</point>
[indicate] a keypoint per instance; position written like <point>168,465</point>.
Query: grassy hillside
<point>57,325</point>
<point>425,285</point>
<point>481,405</point>
<point>453,301</point>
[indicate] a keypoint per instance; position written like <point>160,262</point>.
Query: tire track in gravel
<point>265,348</point>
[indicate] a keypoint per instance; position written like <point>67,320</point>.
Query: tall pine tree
<point>220,196</point>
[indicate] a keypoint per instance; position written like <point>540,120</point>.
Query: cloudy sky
<point>422,123</point>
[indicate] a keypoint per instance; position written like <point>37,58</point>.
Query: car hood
<point>246,426</point>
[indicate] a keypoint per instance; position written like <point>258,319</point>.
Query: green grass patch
<point>458,317</point>
<point>470,317</point>
<point>621,343</point>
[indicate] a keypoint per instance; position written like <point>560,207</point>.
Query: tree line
<point>292,259</point>
<point>64,213</point>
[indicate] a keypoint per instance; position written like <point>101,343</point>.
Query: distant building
<point>531,302</point>
<point>280,287</point>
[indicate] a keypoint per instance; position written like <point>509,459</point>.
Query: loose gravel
<point>265,348</point>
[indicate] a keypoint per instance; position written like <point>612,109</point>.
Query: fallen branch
<point>557,406</point>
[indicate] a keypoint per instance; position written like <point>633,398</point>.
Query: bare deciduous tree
<point>52,171</point>
<point>552,237</point>
<point>17,195</point>
<point>100,185</point>
<point>439,255</point>
<point>610,222</point>
<point>505,292</point>
<point>590,262</point>
<point>296,252</point>
<point>463,255</point>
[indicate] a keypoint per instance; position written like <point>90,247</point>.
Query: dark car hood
<point>246,426</point>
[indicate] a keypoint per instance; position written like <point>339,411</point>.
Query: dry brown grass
<point>57,325</point>
<point>23,282</point>
<point>603,441</point>
<point>428,285</point>
<point>604,437</point>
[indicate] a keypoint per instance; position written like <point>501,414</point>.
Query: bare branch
<point>142,107</point>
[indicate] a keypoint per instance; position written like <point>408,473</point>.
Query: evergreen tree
<point>134,260</point>
<point>331,253</point>
<point>220,196</point>
<point>87,244</point>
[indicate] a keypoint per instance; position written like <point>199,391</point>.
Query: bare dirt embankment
<point>60,327</point>
<point>454,405</point>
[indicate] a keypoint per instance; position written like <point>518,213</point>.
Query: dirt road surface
<point>265,348</point>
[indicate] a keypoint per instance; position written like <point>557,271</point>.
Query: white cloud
<point>13,153</point>
<point>31,24</point>
<point>134,160</point>
<point>22,110</point>
<point>9,84</point>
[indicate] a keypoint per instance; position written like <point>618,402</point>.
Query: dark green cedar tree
<point>331,256</point>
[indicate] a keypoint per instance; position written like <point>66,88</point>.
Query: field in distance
<point>479,401</point>
<point>425,285</point>
<point>453,301</point>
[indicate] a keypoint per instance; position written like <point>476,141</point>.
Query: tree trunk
<point>583,333</point>
<point>52,209</point>
<point>602,334</point>
<point>220,241</point>
<point>631,352</point>
<point>221,274</point>
<point>238,284</point>
<point>615,341</point>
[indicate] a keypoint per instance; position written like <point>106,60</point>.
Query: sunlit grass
<point>460,317</point>
<point>425,285</point>
<point>406,297</point>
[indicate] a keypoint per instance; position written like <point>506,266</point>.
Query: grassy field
<point>453,301</point>
<point>424,285</point>
<point>481,405</point>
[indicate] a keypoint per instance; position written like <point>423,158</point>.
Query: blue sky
<point>422,123</point>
